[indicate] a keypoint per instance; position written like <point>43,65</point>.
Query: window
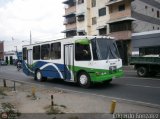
<point>45,50</point>
<point>102,11</point>
<point>56,50</point>
<point>102,31</point>
<point>82,52</point>
<point>153,27</point>
<point>146,7</point>
<point>80,18</point>
<point>93,3</point>
<point>120,26</point>
<point>121,7</point>
<point>24,53</point>
<point>81,33</point>
<point>80,1</point>
<point>94,20</point>
<point>71,33</point>
<point>36,52</point>
<point>152,10</point>
<point>149,50</point>
<point>157,14</point>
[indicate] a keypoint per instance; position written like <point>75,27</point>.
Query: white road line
<point>142,86</point>
<point>110,97</point>
<point>141,78</point>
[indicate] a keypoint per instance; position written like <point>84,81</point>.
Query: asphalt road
<point>130,87</point>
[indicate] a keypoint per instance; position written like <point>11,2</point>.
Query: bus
<point>81,59</point>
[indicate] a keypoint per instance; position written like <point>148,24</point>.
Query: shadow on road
<point>75,85</point>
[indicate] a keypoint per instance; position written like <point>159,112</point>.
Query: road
<point>130,87</point>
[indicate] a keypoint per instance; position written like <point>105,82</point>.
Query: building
<point>10,57</point>
<point>117,18</point>
<point>1,50</point>
<point>146,43</point>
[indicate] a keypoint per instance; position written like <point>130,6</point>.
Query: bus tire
<point>84,80</point>
<point>142,71</point>
<point>38,76</point>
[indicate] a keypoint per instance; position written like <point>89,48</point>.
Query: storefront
<point>146,43</point>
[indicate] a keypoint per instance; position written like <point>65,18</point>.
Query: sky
<point>18,17</point>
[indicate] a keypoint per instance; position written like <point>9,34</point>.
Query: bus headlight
<point>101,73</point>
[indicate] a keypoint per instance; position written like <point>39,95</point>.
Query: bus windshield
<point>104,48</point>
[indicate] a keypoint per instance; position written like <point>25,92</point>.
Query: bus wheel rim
<point>83,79</point>
<point>39,76</point>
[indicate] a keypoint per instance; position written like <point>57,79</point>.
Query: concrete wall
<point>146,18</point>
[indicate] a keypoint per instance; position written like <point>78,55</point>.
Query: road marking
<point>142,86</point>
<point>141,78</point>
<point>98,95</point>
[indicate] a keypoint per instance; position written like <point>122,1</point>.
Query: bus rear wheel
<point>84,80</point>
<point>39,77</point>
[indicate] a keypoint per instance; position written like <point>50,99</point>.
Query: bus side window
<point>36,52</point>
<point>82,52</point>
<point>56,50</point>
<point>45,51</point>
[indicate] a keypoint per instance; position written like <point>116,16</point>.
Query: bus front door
<point>69,62</point>
<point>29,58</point>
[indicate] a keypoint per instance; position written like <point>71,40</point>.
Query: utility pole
<point>30,38</point>
<point>16,48</point>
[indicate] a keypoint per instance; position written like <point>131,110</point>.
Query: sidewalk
<point>75,105</point>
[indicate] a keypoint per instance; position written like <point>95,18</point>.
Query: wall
<point>146,18</point>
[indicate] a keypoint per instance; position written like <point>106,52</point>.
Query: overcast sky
<point>18,17</point>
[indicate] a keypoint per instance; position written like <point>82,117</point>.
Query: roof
<point>121,19</point>
<point>146,33</point>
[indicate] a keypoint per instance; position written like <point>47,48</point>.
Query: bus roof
<point>71,39</point>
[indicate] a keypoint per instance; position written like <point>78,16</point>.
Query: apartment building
<point>1,50</point>
<point>117,18</point>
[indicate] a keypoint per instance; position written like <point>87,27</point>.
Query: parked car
<point>3,63</point>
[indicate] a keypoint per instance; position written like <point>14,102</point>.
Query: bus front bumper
<point>101,77</point>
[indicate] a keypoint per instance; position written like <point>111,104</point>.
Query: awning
<point>70,14</point>
<point>113,1</point>
<point>122,19</point>
<point>80,14</point>
<point>67,30</point>
<point>68,1</point>
<point>80,31</point>
<point>101,27</point>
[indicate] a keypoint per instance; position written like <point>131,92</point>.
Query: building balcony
<point>69,10</point>
<point>120,14</point>
<point>122,35</point>
<point>71,26</point>
<point>70,20</point>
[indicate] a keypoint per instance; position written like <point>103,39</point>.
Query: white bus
<point>81,59</point>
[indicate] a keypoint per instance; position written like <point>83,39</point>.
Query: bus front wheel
<point>84,80</point>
